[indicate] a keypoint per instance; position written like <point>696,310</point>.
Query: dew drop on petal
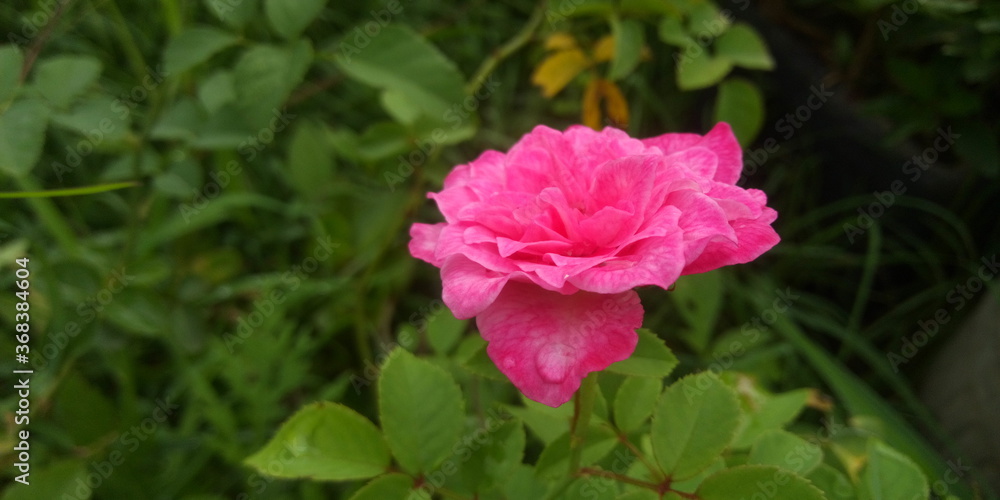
<point>554,362</point>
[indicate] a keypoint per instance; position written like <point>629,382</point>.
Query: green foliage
<point>215,198</point>
<point>324,441</point>
<point>421,411</point>
<point>695,420</point>
<point>651,358</point>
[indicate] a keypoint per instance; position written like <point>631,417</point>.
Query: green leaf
<point>388,486</point>
<point>694,421</point>
<point>553,463</point>
<point>11,61</point>
<point>701,70</point>
<point>744,47</point>
<point>444,330</point>
<point>310,162</point>
<point>639,495</point>
<point>324,441</point>
<point>546,425</point>
<point>635,401</point>
<point>473,357</point>
<point>193,46</point>
<point>400,60</point>
<point>86,414</point>
<point>765,481</point>
<point>652,358</point>
<point>385,140</point>
<point>22,134</point>
<point>832,482</point>
<point>232,12</point>
<point>99,121</point>
<point>289,18</point>
<point>61,79</point>
<point>706,20</point>
<point>266,75</point>
<point>771,413</point>
<point>217,90</point>
<point>699,299</point>
<point>740,104</point>
<point>672,31</point>
<point>524,485</point>
<point>489,465</point>
<point>786,450</point>
<point>890,475</point>
<point>421,409</point>
<point>860,399</point>
<point>629,39</point>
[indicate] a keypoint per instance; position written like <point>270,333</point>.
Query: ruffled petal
<point>546,342</point>
<point>753,238</point>
<point>469,288</point>
<point>652,261</point>
<point>424,240</point>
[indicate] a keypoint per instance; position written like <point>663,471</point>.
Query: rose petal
<point>469,288</point>
<point>720,140</point>
<point>424,240</point>
<point>754,237</point>
<point>652,261</point>
<point>546,342</point>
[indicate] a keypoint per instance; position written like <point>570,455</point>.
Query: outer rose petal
<point>546,342</point>
<point>468,288</point>
<point>424,240</point>
<point>719,140</point>
<point>754,237</point>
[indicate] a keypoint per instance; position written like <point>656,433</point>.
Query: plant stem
<point>653,469</point>
<point>586,471</point>
<point>583,407</point>
<point>513,45</point>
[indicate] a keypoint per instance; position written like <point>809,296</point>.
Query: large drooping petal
<point>546,342</point>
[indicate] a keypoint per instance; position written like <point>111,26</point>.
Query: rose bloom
<point>568,223</point>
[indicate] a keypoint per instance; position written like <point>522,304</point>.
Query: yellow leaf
<point>591,115</point>
<point>557,70</point>
<point>615,106</point>
<point>560,41</point>
<point>604,49</point>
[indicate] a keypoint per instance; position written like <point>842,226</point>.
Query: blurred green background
<point>229,186</point>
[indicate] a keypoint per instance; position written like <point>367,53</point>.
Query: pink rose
<point>544,244</point>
